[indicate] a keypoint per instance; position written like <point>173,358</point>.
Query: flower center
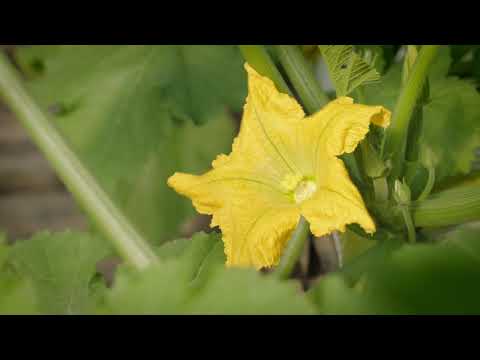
<point>304,190</point>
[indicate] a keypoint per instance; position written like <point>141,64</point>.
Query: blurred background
<point>31,196</point>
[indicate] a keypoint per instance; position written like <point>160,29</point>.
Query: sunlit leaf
<point>347,69</point>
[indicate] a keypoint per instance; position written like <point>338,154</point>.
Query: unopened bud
<point>402,194</point>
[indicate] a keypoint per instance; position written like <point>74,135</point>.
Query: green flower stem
<point>293,250</point>
<point>448,207</point>
<point>396,134</point>
<point>258,57</point>
<point>407,218</point>
<point>429,185</point>
<point>130,245</point>
<point>301,75</point>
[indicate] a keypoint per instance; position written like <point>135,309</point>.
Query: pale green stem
<point>407,218</point>
<point>258,58</point>
<point>396,134</point>
<point>130,245</point>
<point>293,250</point>
<point>301,75</point>
<point>429,185</point>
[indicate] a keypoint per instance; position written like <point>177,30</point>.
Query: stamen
<point>305,189</point>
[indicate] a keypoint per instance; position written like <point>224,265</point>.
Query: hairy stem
<point>130,245</point>
<point>396,134</point>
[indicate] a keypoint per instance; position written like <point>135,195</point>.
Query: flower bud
<point>402,194</point>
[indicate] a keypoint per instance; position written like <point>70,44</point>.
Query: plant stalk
<point>111,222</point>
<point>407,218</point>
<point>293,250</point>
<point>257,56</point>
<point>396,134</point>
<point>301,75</point>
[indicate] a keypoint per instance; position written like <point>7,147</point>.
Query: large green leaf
<point>16,293</point>
<point>192,279</point>
<point>60,267</point>
<point>127,109</point>
<point>419,279</point>
<point>451,118</point>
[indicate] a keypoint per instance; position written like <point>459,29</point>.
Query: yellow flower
<point>282,165</point>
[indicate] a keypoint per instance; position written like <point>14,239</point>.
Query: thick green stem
<point>293,250</point>
<point>449,207</point>
<point>396,134</point>
<point>301,75</point>
<point>258,57</point>
<point>130,245</point>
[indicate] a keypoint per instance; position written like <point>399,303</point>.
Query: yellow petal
<point>256,219</point>
<point>245,191</point>
<point>336,202</point>
<point>268,121</point>
<point>341,125</point>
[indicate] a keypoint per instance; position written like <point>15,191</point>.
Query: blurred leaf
<point>195,281</point>
<point>16,293</point>
<point>194,82</point>
<point>127,109</point>
<point>374,55</point>
<point>354,245</point>
<point>241,291</point>
<point>172,249</point>
<point>459,51</point>
<point>333,296</point>
<point>415,279</point>
<point>373,257</point>
<point>346,68</point>
<point>60,267</point>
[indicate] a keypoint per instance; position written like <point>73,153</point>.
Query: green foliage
<point>347,69</point>
<point>16,293</point>
<point>192,279</point>
<point>451,116</point>
<point>374,55</point>
<point>127,111</point>
<point>421,279</point>
<point>60,267</point>
<point>137,114</point>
